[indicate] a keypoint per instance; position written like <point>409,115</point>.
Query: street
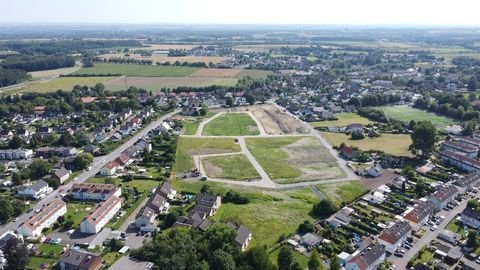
<point>97,164</point>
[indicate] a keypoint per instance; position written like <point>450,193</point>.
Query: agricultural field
<point>343,119</point>
<point>188,147</point>
<point>233,167</point>
<point>281,212</point>
<point>342,192</point>
<point>406,113</point>
<point>231,73</point>
<point>231,124</point>
<point>162,58</point>
<point>266,48</point>
<point>393,144</point>
<point>52,72</point>
<point>156,83</point>
<point>137,70</point>
<point>294,159</point>
<point>166,47</point>
<point>63,83</point>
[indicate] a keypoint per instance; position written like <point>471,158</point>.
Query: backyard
<point>342,192</point>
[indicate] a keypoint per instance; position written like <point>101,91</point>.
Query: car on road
<point>478,260</point>
<point>89,168</point>
<point>433,228</point>
<point>15,219</point>
<point>203,178</point>
<point>37,210</point>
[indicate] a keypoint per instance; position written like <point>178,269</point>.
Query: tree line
<point>12,76</point>
<point>36,63</point>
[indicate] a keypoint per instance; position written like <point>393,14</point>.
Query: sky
<point>360,12</point>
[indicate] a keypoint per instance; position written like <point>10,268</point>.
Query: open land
<point>162,58</point>
<point>342,193</point>
<point>137,70</point>
<point>405,114</point>
<point>231,124</point>
<point>343,119</point>
<point>63,83</point>
<point>393,144</point>
<point>156,83</point>
<point>234,167</point>
<point>294,159</point>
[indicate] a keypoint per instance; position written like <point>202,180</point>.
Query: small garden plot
<point>188,147</point>
<point>234,167</point>
<point>231,124</point>
<point>294,159</point>
<point>343,193</point>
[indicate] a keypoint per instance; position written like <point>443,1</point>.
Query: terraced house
<point>394,236</point>
<point>44,219</point>
<point>94,192</point>
<point>101,215</point>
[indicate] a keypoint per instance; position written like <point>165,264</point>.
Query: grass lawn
<point>235,167</point>
<point>344,119</point>
<point>64,83</point>
<point>297,257</point>
<point>342,192</point>
<point>269,153</point>
<point>304,194</point>
<point>424,256</point>
<point>34,262</point>
<point>111,257</point>
<point>141,185</point>
<point>190,125</point>
<point>453,226</point>
<point>50,250</point>
<point>77,211</point>
<point>231,124</point>
<point>393,144</point>
<point>269,214</point>
<point>405,114</point>
<point>187,147</point>
<point>138,70</point>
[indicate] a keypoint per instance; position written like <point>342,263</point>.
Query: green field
<point>35,262</point>
<point>393,144</point>
<point>63,83</point>
<point>234,167</point>
<point>343,119</point>
<point>268,152</point>
<point>231,124</point>
<point>141,185</point>
<point>77,211</point>
<point>50,250</point>
<point>190,124</point>
<point>137,70</point>
<point>342,192</point>
<point>406,113</point>
<point>187,147</point>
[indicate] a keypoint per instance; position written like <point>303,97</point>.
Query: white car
<point>433,228</point>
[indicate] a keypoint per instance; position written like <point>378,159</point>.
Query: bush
<point>236,197</point>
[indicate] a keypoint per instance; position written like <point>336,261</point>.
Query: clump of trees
<point>12,76</point>
<point>35,63</point>
<point>373,114</point>
<point>424,137</point>
<point>324,209</point>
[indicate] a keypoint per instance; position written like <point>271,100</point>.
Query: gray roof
<point>61,173</point>
<point>311,239</point>
<point>242,235</point>
<point>36,186</point>
<point>79,258</point>
<point>468,180</point>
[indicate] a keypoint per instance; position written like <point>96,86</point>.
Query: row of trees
<point>455,106</point>
<point>35,63</point>
<point>64,46</point>
<point>12,76</point>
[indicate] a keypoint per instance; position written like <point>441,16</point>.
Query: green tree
<point>39,168</point>
<point>83,160</point>
<point>204,110</point>
<point>424,137</point>
<point>250,99</point>
<point>285,258</point>
<point>229,101</point>
<point>223,260</point>
<point>324,208</point>
<point>66,139</point>
<point>421,188</point>
<point>81,139</point>
<point>257,258</point>
<point>16,142</point>
<point>472,84</point>
<point>335,263</point>
<point>314,263</point>
<point>6,211</point>
<point>296,266</point>
<point>3,168</point>
<point>16,254</point>
<point>472,239</point>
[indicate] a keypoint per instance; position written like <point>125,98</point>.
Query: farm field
<point>63,83</point>
<point>231,124</point>
<point>342,192</point>
<point>406,113</point>
<point>294,159</point>
<point>137,70</point>
<point>234,167</point>
<point>188,147</point>
<point>344,119</point>
<point>156,83</point>
<point>393,144</point>
<point>51,72</point>
<point>266,47</point>
<point>166,46</point>
<point>231,73</point>
<point>162,58</point>
<point>281,212</point>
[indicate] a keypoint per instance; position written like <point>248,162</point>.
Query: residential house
<point>62,174</point>
<point>374,171</point>
<point>206,205</point>
<point>92,149</point>
<point>76,259</point>
<point>394,236</point>
<point>109,169</point>
<point>368,258</point>
<point>145,217</point>
<point>21,132</point>
<point>419,215</point>
<point>164,127</point>
<point>460,161</point>
<point>341,217</point>
<point>465,149</point>
<point>123,160</point>
<point>37,190</point>
<point>47,216</point>
<point>15,154</point>
<point>355,127</point>
<point>471,217</point>
<point>101,215</point>
<point>348,153</point>
<point>311,240</point>
<point>243,237</point>
<point>443,196</point>
<point>69,163</point>
<point>94,192</point>
<point>466,183</point>
<point>449,237</point>
<point>471,142</point>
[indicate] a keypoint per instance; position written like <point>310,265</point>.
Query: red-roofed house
<point>110,168</point>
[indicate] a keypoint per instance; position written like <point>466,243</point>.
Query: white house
<point>145,217</point>
<point>443,196</point>
<point>36,191</point>
<point>393,237</point>
<point>94,192</point>
<point>62,174</point>
<point>109,169</point>
<point>44,219</point>
<point>13,154</point>
<point>164,127</point>
<point>101,215</point>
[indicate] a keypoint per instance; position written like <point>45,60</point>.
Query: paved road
<point>97,164</point>
<point>401,263</point>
